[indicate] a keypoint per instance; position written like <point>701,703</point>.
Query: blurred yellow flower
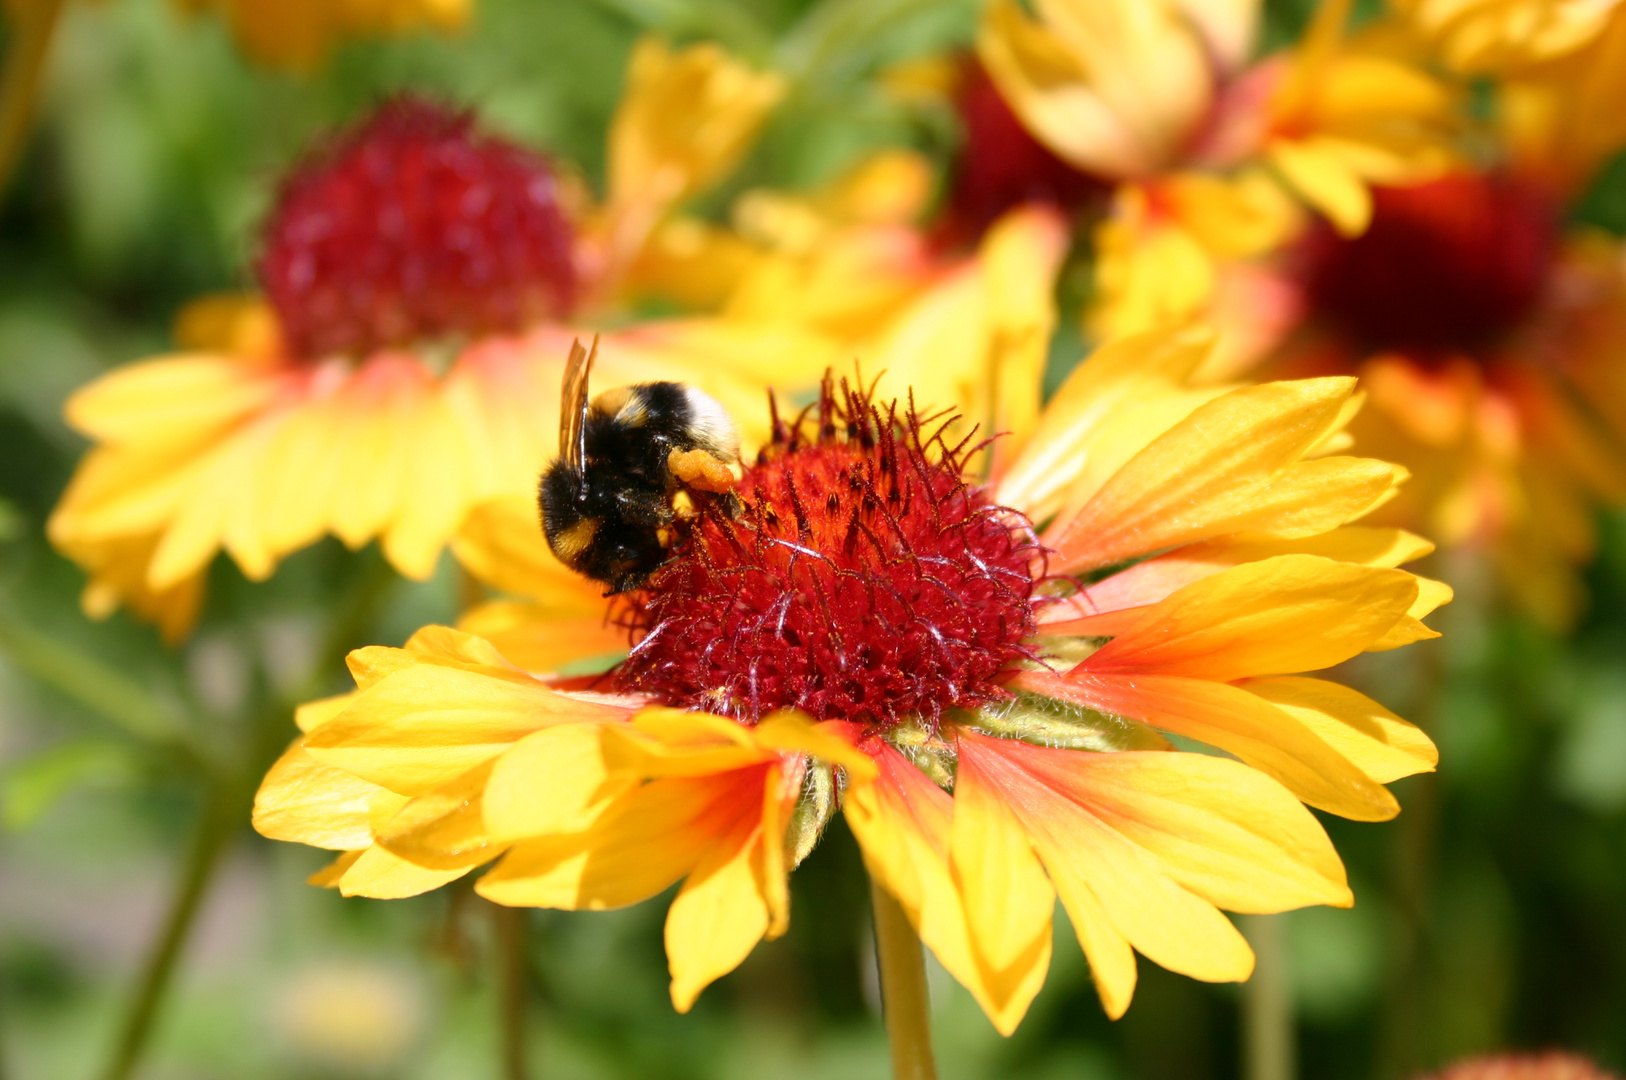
<point>299,34</point>
<point>1486,332</point>
<point>928,639</point>
<point>1498,36</point>
<point>1214,154</point>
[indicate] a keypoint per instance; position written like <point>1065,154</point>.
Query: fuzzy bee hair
<point>608,503</point>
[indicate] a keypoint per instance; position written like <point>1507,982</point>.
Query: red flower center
<point>1446,266</point>
<point>864,579</point>
<point>411,226</point>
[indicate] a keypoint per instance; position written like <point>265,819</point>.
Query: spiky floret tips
<point>861,577</point>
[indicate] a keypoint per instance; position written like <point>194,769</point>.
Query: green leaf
<point>31,787</point>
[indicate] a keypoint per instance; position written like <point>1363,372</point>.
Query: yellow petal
<point>1325,182</point>
<point>330,875</point>
<point>721,912</point>
<point>903,824</point>
<point>1007,898</point>
<point>306,802</point>
<point>1378,742</point>
<point>645,841</point>
<point>1238,722</point>
<point>1123,376</point>
<point>179,399</point>
<point>313,714</point>
<point>551,781</point>
<point>1112,86</point>
<point>443,830</point>
<point>1150,581</point>
<point>1019,257</point>
<point>1083,849</point>
<point>686,118</point>
<point>380,875</point>
<point>1231,466</point>
<point>428,515</point>
<point>1277,616</point>
<point>424,726</point>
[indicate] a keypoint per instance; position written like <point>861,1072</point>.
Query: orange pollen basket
<point>863,578</point>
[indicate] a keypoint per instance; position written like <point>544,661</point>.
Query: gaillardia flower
<point>977,671</point>
<point>1213,151</point>
<point>404,364</point>
<point>1487,332</point>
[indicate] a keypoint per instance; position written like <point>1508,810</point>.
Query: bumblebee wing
<point>573,406</point>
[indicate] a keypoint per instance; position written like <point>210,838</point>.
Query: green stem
<point>513,951</point>
<point>1267,1002</point>
<point>1402,1033</point>
<point>905,1003</point>
<point>32,26</point>
<point>215,831</point>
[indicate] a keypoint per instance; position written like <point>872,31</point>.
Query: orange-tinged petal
<point>551,781</point>
<point>1084,850</point>
<point>722,911</point>
<point>1378,742</point>
<point>1232,465</point>
<point>1150,581</point>
<point>1277,616</point>
<point>648,839</point>
<point>1008,899</point>
<point>1238,722</point>
<point>903,824</point>
<point>421,727</point>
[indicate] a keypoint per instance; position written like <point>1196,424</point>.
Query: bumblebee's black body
<point>607,503</point>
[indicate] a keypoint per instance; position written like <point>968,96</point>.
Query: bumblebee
<point>631,462</point>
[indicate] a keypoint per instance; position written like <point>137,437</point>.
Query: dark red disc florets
<point>863,579</point>
<point>410,226</point>
<point>1451,265</point>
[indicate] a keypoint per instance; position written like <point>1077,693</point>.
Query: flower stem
<point>512,945</point>
<point>904,1000</point>
<point>221,812</point>
<point>1267,1002</point>
<point>32,25</point>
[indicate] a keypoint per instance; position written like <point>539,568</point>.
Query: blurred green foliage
<point>1488,916</point>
